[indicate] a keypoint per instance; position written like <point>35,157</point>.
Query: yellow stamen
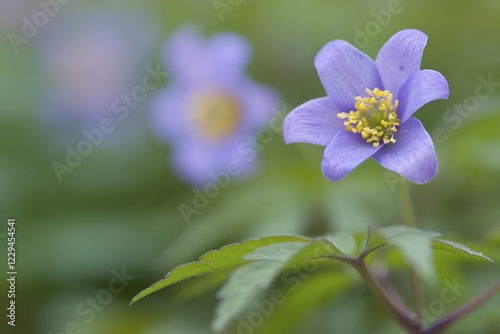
<point>375,117</point>
<point>214,114</point>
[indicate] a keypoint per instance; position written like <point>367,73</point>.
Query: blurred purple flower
<point>368,108</point>
<point>89,60</point>
<point>211,106</point>
<point>12,11</point>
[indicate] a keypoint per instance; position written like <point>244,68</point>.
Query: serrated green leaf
<point>417,250</point>
<point>228,257</point>
<point>398,230</point>
<point>345,242</point>
<point>297,302</point>
<point>455,247</point>
<point>318,249</point>
<point>241,288</point>
<point>373,241</point>
<point>280,252</point>
<point>414,244</point>
<point>382,237</point>
<point>246,282</point>
<point>193,288</point>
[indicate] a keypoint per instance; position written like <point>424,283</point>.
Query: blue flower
<point>211,106</point>
<point>368,110</point>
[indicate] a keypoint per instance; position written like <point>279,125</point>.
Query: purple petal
<point>194,163</point>
<point>168,112</point>
<point>400,57</point>
<point>314,122</point>
<point>344,153</point>
<point>413,155</point>
<point>421,88</point>
<point>229,50</point>
<point>218,60</point>
<point>345,73</point>
<point>259,103</point>
<point>182,52</point>
<point>199,164</point>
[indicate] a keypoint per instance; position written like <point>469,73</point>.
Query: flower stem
<point>416,293</point>
<point>397,310</point>
<point>451,318</point>
<point>404,191</point>
<point>409,217</point>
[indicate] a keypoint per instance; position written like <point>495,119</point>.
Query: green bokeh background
<point>120,209</point>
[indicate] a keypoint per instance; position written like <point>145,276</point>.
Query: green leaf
<point>399,230</point>
<point>299,300</point>
<point>417,250</point>
<point>319,249</point>
<point>247,282</point>
<point>345,242</point>
<point>296,253</point>
<point>373,241</point>
<point>382,237</point>
<point>455,247</point>
<point>228,257</point>
<point>241,289</point>
<point>415,245</point>
<point>280,252</point>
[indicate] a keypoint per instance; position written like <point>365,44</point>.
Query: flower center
<point>375,117</point>
<point>215,115</point>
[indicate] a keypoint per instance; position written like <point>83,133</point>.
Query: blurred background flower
<point>11,12</point>
<point>120,207</point>
<point>211,106</point>
<point>90,58</point>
